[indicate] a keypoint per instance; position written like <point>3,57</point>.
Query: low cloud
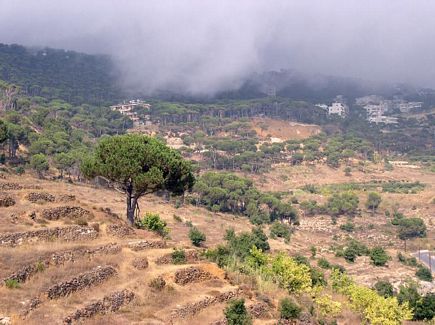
<point>202,47</point>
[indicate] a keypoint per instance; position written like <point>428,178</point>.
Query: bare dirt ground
<point>283,130</point>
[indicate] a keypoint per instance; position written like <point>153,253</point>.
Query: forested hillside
<point>74,77</point>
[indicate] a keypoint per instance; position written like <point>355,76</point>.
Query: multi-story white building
<point>338,108</point>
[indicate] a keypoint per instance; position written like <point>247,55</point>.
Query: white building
<point>407,107</point>
<point>338,108</point>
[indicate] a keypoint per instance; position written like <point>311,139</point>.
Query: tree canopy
<point>139,165</point>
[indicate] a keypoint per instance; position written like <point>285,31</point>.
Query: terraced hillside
<point>68,257</point>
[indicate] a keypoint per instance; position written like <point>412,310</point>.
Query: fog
<point>203,46</point>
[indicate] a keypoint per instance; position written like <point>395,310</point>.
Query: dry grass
<point>151,307</point>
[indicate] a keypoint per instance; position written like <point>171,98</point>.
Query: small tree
<point>196,236</point>
<point>411,228</point>
<point>39,163</point>
<point>379,256</point>
<point>423,273</point>
<point>384,288</point>
<point>139,165</point>
<point>236,313</point>
<point>288,309</point>
<point>373,201</point>
<point>347,171</point>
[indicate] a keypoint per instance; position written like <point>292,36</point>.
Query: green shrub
<point>279,229</point>
<point>236,313</point>
<point>153,222</point>
<point>379,256</point>
<point>323,263</point>
<point>360,248</point>
<point>425,309</point>
<point>177,218</point>
<point>424,274</point>
<point>196,236</point>
<point>411,228</point>
<point>19,170</point>
<point>178,256</point>
<point>40,266</point>
<point>384,288</point>
<point>348,227</point>
<point>345,203</point>
<point>338,267</point>
<point>350,254</point>
<point>12,284</point>
<point>317,277</point>
<point>313,251</point>
<point>288,309</point>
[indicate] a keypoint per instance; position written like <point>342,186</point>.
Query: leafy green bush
<point>411,228</point>
<point>424,274</point>
<point>288,309</point>
<point>345,203</point>
<point>373,201</point>
<point>323,263</point>
<point>379,256</point>
<point>425,309</point>
<point>178,256</point>
<point>279,229</point>
<point>350,254</point>
<point>348,226</point>
<point>152,221</point>
<point>236,313</point>
<point>384,288</point>
<point>196,236</point>
<point>12,284</point>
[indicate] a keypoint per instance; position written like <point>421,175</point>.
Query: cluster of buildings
<point>133,109</point>
<point>377,108</point>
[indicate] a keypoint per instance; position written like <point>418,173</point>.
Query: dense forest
<point>58,74</point>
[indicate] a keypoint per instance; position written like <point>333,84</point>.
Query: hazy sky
<point>204,46</point>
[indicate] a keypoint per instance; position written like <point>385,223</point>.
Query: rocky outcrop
<point>67,212</point>
<point>140,263</point>
<point>16,186</point>
<point>110,303</point>
<point>259,310</point>
<point>58,258</point>
<point>192,274</point>
<point>191,309</point>
<point>10,186</point>
<point>40,197</point>
<point>71,233</point>
<point>145,244</point>
<point>6,200</point>
<point>82,281</point>
<point>120,230</point>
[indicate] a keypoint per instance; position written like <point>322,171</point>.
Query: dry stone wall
<point>110,303</point>
<point>82,281</point>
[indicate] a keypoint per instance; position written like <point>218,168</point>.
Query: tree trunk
<point>131,204</point>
